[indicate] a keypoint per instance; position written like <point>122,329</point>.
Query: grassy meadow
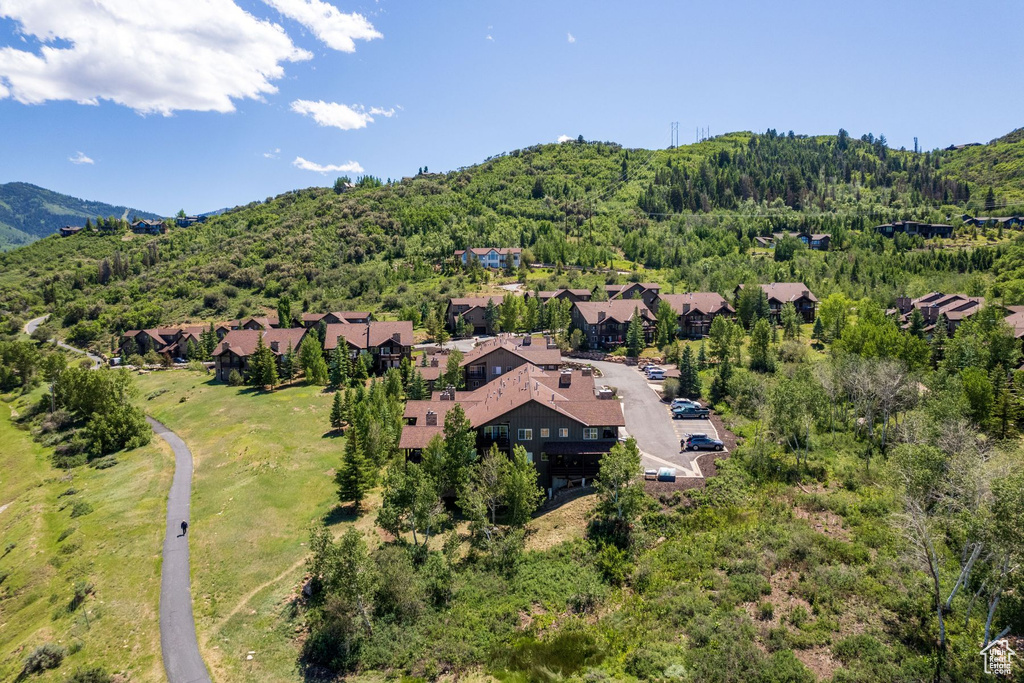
<point>51,543</point>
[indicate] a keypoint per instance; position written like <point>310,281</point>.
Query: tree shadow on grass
<point>340,513</point>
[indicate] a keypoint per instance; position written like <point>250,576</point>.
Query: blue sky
<point>201,104</point>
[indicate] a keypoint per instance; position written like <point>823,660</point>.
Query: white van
<point>656,373</point>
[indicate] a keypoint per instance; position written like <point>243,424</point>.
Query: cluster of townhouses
<point>142,226</point>
<point>604,324</point>
<point>388,341</point>
<point>812,240</point>
<point>954,309</point>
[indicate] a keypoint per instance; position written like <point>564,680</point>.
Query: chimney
<point>227,345</point>
<point>806,294</point>
<point>527,340</point>
<point>604,393</point>
<point>565,378</point>
<point>397,337</point>
<point>434,363</point>
<point>686,308</point>
<point>587,371</point>
<point>600,316</point>
<point>275,346</point>
<point>431,418</point>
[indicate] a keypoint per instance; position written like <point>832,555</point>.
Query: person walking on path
<point>184,528</point>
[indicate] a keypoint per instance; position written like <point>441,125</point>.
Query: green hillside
<point>686,216</point>
<point>28,213</point>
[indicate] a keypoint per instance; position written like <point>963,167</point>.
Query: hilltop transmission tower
<point>674,135</point>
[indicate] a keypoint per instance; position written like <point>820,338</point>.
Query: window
<point>589,433</point>
<point>525,435</point>
<point>529,457</point>
<point>543,457</point>
<point>563,432</point>
<point>497,369</point>
<point>495,432</point>
<point>545,432</point>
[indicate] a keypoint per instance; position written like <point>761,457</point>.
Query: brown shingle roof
<point>703,302</point>
<point>244,342</point>
<point>787,291</point>
<point>477,300</point>
<point>537,353</point>
<point>620,310</point>
<point>366,335</point>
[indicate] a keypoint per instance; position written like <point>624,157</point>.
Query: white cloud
<point>490,37</point>
<point>572,38</point>
<point>272,154</point>
<point>347,167</point>
<point>80,158</point>
<point>343,116</point>
<point>156,56</point>
<point>336,29</point>
<point>564,138</point>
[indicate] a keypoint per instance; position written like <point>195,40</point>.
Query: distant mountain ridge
<point>29,212</point>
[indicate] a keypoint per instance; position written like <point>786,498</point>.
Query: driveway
<point>464,345</point>
<point>650,421</point>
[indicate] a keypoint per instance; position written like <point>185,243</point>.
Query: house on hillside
<point>925,230</point>
<point>145,226</point>
<point>815,241</point>
<point>781,293</point>
<point>259,322</point>
<point>558,417</point>
<point>955,307</point>
<point>604,323</point>
<point>69,230</point>
<point>493,258</point>
<point>388,340</point>
<point>495,357</point>
<point>237,347</point>
<point>696,311</point>
<point>994,221</point>
<point>472,310</point>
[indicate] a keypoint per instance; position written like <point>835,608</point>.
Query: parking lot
<point>649,420</point>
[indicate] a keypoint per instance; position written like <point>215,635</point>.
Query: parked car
<point>700,442</point>
<point>686,402</point>
<point>655,373</point>
<point>690,412</point>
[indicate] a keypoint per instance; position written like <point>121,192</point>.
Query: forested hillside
<point>687,215</point>
<point>28,213</point>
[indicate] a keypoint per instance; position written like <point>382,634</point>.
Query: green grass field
<point>263,473</point>
<point>116,548</point>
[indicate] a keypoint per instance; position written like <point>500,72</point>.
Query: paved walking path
<point>182,660</point>
<point>33,324</point>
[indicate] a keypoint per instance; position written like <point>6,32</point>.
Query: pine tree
<point>335,374</point>
<point>492,317</point>
<point>667,323</point>
<point>917,323</point>
<point>417,388</point>
<point>760,347</point>
<point>702,356</point>
<point>940,334</point>
<point>284,312</point>
<point>635,335</point>
<point>262,366</point>
<point>338,410</point>
<point>720,385</point>
<point>352,479</point>
<point>818,333</point>
<point>288,363</point>
<point>790,321</point>
<point>689,380</point>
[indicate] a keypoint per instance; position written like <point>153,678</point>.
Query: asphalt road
<point>650,422</point>
<point>182,660</point>
<point>464,345</point>
<point>33,324</point>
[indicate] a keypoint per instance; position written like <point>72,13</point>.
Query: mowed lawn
<point>263,473</point>
<point>115,547</point>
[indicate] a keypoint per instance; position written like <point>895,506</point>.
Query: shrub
<point>67,532</point>
<point>80,509</point>
<point>197,366</point>
<point>67,492</point>
<point>46,656</point>
<point>670,389</point>
<point>766,610</point>
<point>235,379</point>
<point>103,463</point>
<point>3,576</point>
<point>94,674</point>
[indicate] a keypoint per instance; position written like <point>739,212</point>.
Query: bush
<point>670,389</point>
<point>67,532</point>
<point>80,509</point>
<point>46,656</point>
<point>235,379</point>
<point>766,611</point>
<point>3,576</point>
<point>94,674</point>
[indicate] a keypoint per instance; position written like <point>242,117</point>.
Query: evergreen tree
<point>635,335</point>
<point>721,335</point>
<point>492,316</point>
<point>338,410</point>
<point>337,372</point>
<point>352,477</point>
<point>311,358</point>
<point>990,199</point>
<point>761,358</point>
<point>417,388</point>
<point>453,375</point>
<point>762,309</point>
<point>940,335</point>
<point>917,323</point>
<point>519,487</point>
<point>262,366</point>
<point>702,356</point>
<point>192,351</point>
<point>667,323</point>
<point>721,384</point>
<point>288,363</point>
<point>211,341</point>
<point>818,333</point>
<point>689,379</point>
<point>531,315</point>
